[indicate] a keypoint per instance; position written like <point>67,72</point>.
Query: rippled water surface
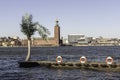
<point>10,70</point>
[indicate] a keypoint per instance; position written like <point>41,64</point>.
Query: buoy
<point>83,59</point>
<point>59,59</point>
<point>109,60</point>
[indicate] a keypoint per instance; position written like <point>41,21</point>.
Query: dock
<point>71,65</point>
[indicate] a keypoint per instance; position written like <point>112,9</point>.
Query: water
<point>9,68</point>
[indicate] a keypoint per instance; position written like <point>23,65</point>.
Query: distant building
<point>89,39</point>
<point>52,41</point>
<point>79,40</point>
<point>65,41</point>
<point>10,41</point>
<point>107,42</point>
<point>74,38</point>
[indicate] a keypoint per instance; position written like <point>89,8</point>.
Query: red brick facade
<point>54,41</point>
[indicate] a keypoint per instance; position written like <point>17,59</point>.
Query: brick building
<point>52,41</point>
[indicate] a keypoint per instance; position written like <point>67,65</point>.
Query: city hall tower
<point>57,32</point>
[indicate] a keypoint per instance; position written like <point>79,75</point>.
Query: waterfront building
<point>77,39</point>
<point>10,41</point>
<point>73,38</point>
<point>52,41</point>
<point>107,42</point>
<point>65,41</point>
<point>81,40</point>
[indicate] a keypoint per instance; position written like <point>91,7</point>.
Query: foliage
<point>28,27</point>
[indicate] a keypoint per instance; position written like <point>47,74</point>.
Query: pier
<point>72,65</point>
<point>107,64</point>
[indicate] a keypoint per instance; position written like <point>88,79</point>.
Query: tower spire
<point>57,33</point>
<point>57,22</point>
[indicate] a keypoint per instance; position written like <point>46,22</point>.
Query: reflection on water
<point>9,68</point>
<point>59,73</point>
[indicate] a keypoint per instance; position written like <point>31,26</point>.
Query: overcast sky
<point>93,18</point>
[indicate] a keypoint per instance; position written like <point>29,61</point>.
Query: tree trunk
<point>29,47</point>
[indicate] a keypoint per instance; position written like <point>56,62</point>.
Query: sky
<point>92,18</point>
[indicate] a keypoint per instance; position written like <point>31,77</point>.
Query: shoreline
<point>56,46</point>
